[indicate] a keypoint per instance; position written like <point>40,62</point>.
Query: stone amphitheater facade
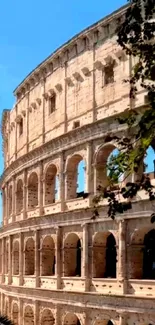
<point>58,265</point>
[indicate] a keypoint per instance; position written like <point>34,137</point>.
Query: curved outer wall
<point>53,254</point>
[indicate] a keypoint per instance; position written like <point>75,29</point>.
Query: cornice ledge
<point>95,301</point>
<point>62,49</point>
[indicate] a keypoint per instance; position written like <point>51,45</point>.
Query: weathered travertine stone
<point>58,264</point>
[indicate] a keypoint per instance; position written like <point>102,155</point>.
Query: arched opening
<point>48,256</point>
<point>103,322</point>
<point>52,103</point>
<point>32,191</point>
<point>102,158</point>
<point>10,199</point>
<point>104,256</point>
<point>15,313</point>
<point>28,316</point>
<point>72,255</point>
<point>20,126</point>
<point>29,257</point>
<point>110,257</point>
<point>19,196</point>
<point>140,252</point>
<point>149,255</point>
<point>81,177</point>
<point>75,177</point>
<point>51,184</point>
<point>71,319</point>
<point>147,165</point>
<point>16,257</point>
<point>149,162</point>
<point>47,317</point>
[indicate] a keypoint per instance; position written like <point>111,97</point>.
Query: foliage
<point>136,35</point>
<point>4,320</point>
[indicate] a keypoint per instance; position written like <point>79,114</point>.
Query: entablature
<point>102,30</point>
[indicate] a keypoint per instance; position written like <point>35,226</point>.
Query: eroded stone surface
<point>57,264</point>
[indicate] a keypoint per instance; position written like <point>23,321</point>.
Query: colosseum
<point>58,264</point>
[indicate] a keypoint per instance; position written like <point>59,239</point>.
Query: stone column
<point>1,307</point>
<point>27,119</point>
<point>43,104</point>
<point>9,307</point>
<point>121,258</point>
<point>20,317</point>
<point>123,318</point>
<point>89,171</point>
<point>62,182</point>
<point>58,257</point>
<point>5,207</point>
<point>3,204</point>
<point>7,204</point>
<point>21,258</point>
<point>40,190</point>
<point>57,316</point>
<point>37,257</point>
<point>25,195</point>
<point>85,256</point>
<point>36,313</point>
<point>10,261</point>
<point>13,200</point>
<point>16,129</point>
<point>3,259</point>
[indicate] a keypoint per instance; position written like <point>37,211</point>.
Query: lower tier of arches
<point>27,307</point>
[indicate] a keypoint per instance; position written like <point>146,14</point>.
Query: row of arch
<point>72,256</point>
<point>104,256</point>
<point>46,316</point>
<point>75,180</point>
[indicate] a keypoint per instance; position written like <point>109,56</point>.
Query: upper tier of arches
<point>54,186</point>
<point>59,96</point>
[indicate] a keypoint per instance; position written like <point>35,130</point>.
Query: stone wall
<point>59,264</point>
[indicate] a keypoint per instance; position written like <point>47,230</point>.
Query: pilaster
<point>121,275</point>
<point>3,205</point>
<point>37,257</point>
<point>65,99</point>
<point>36,313</point>
<point>62,182</point>
<point>85,257</point>
<point>2,298</point>
<point>10,261</point>
<point>27,122</point>
<point>57,316</point>
<point>43,81</point>
<point>89,170</point>
<point>25,195</point>
<point>20,317</point>
<point>40,190</point>
<point>94,78</point>
<point>3,259</point>
<point>58,257</point>
<point>13,199</point>
<point>21,258</point>
<point>9,307</point>
<point>16,108</point>
<point>123,318</point>
<point>7,203</point>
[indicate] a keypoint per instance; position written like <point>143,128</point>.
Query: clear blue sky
<point>31,30</point>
